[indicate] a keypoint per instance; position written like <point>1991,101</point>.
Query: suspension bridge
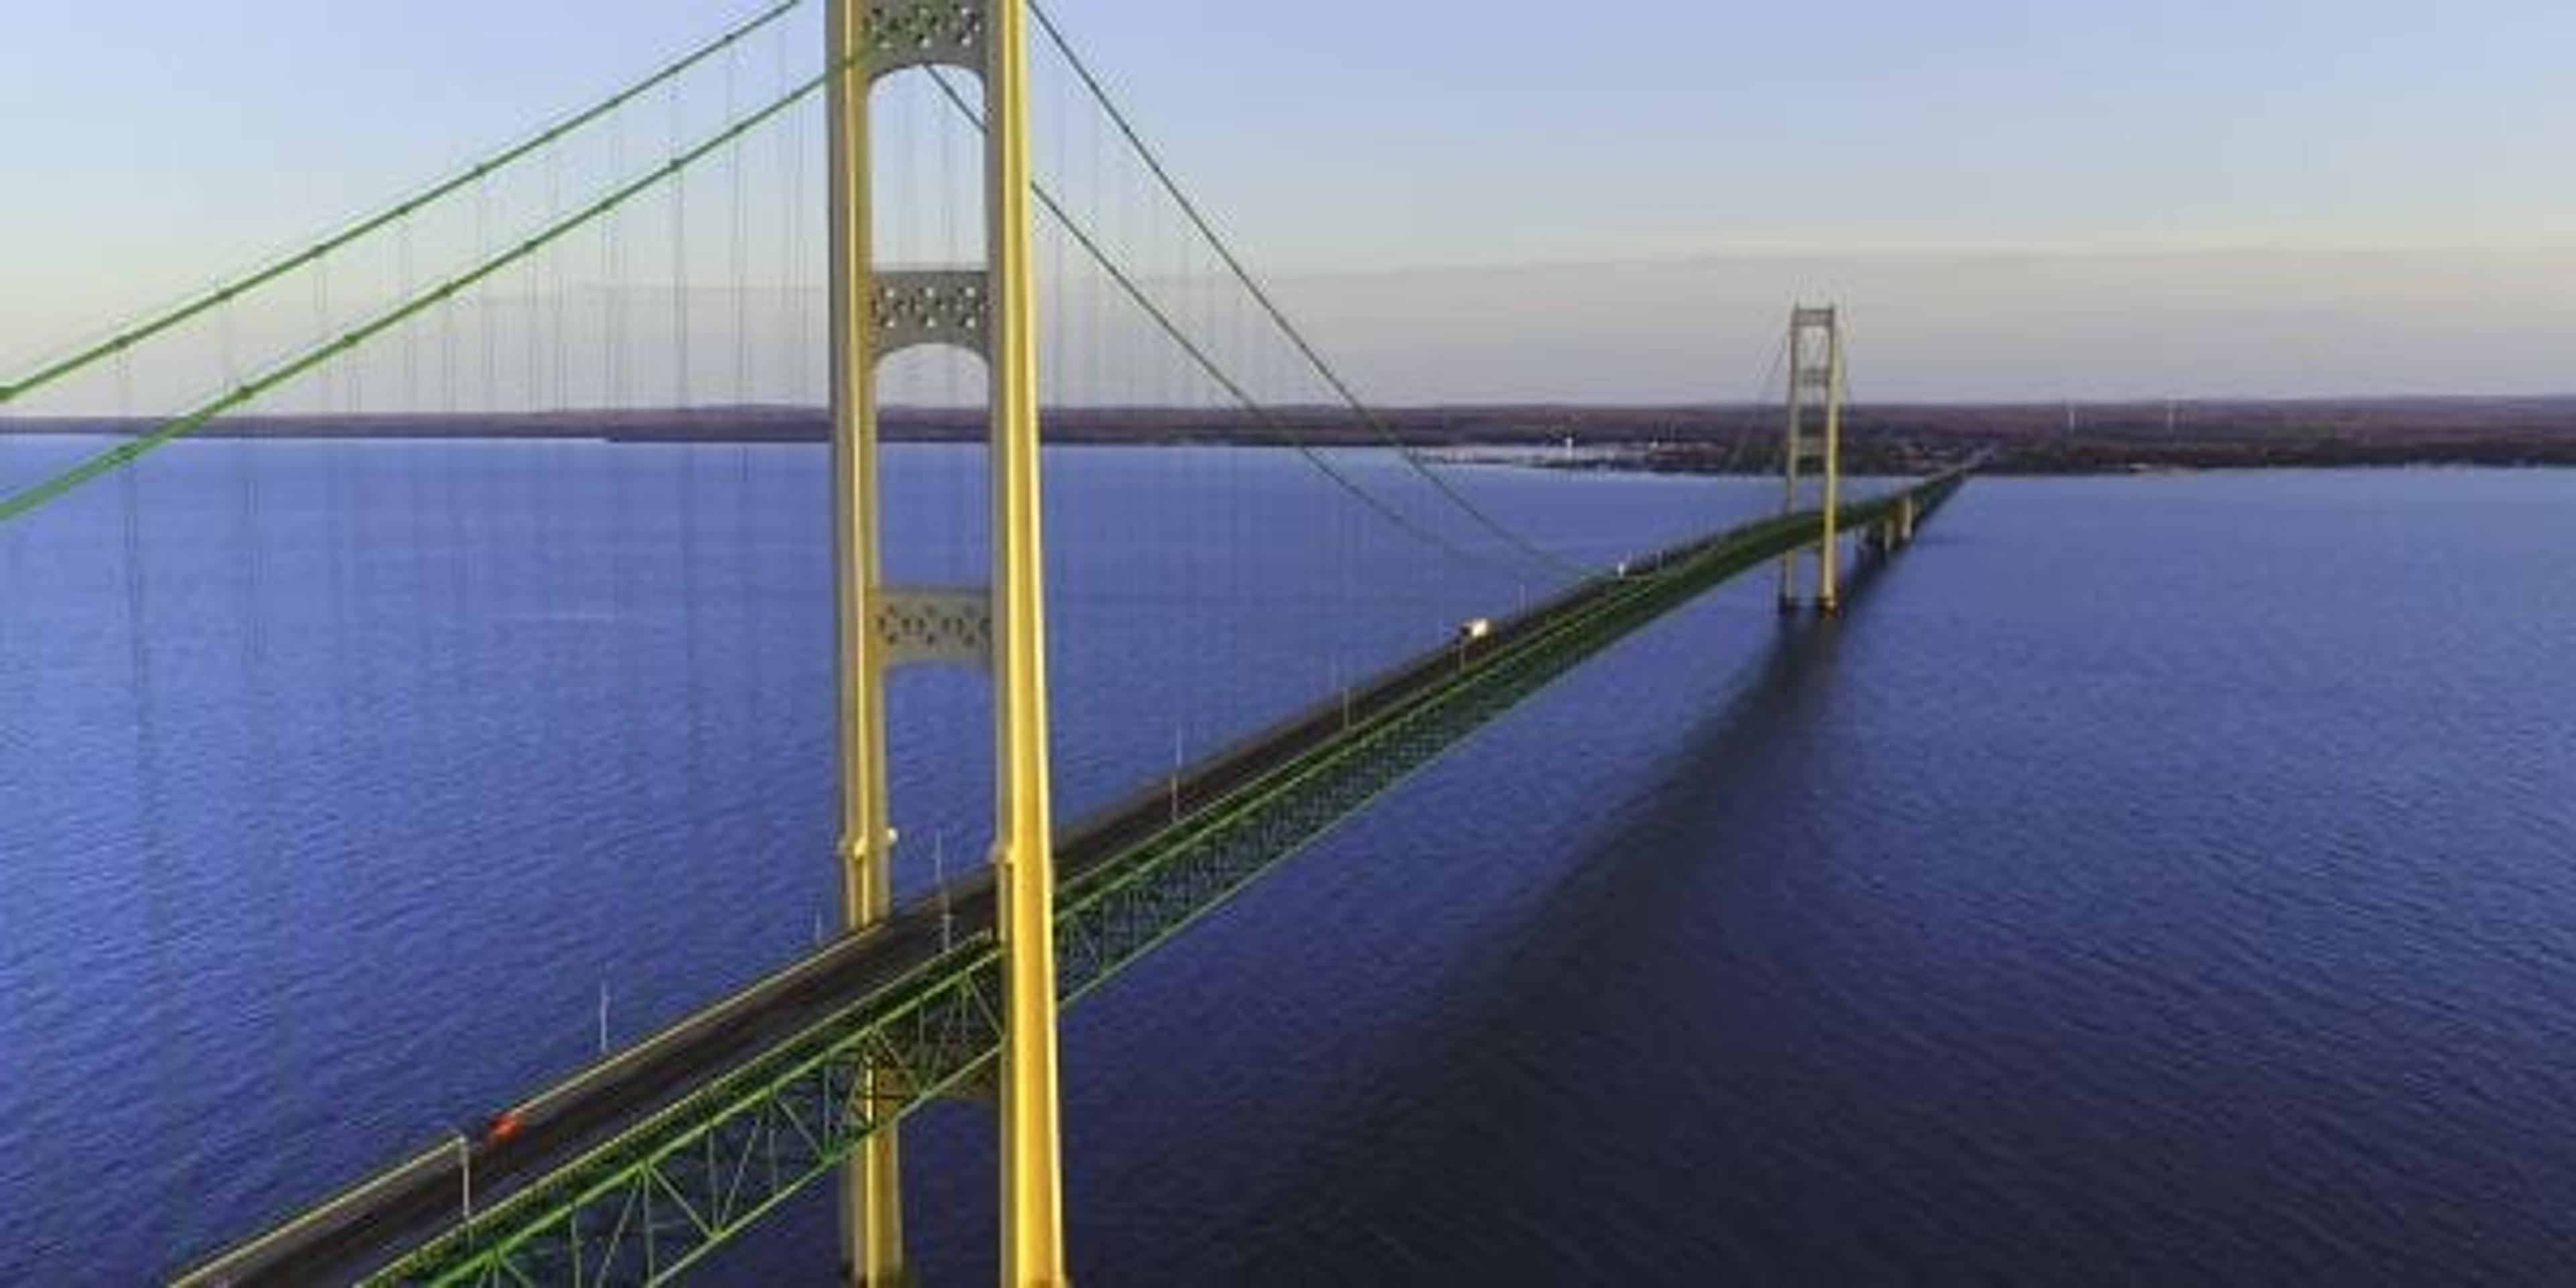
<point>510,299</point>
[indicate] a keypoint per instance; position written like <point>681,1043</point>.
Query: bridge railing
<point>691,1173</point>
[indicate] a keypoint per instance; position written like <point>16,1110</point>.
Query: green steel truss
<point>643,1207</point>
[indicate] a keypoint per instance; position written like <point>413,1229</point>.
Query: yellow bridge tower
<point>1813,449</point>
<point>988,310</point>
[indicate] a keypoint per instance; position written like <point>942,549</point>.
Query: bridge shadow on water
<point>1576,1109</point>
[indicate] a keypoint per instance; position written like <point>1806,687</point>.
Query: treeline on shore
<point>1879,438</point>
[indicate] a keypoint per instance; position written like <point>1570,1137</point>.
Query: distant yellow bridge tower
<point>989,311</point>
<point>1813,450</point>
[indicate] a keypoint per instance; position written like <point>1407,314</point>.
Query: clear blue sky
<point>2016,198</point>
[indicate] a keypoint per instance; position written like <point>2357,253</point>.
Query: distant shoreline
<point>1879,439</point>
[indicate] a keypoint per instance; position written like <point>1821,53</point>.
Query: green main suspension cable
<point>1278,316</point>
<point>17,504</point>
<point>125,338</point>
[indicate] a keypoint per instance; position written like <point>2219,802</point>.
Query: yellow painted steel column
<point>1829,555</point>
<point>1031,1150</point>
<point>872,1194</point>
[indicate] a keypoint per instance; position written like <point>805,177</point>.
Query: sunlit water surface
<point>2160,879</point>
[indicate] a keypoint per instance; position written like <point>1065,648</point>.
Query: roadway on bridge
<point>369,1226</point>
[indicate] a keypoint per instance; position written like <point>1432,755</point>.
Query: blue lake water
<point>2158,879</point>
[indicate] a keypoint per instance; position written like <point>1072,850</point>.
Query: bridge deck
<point>638,1165</point>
